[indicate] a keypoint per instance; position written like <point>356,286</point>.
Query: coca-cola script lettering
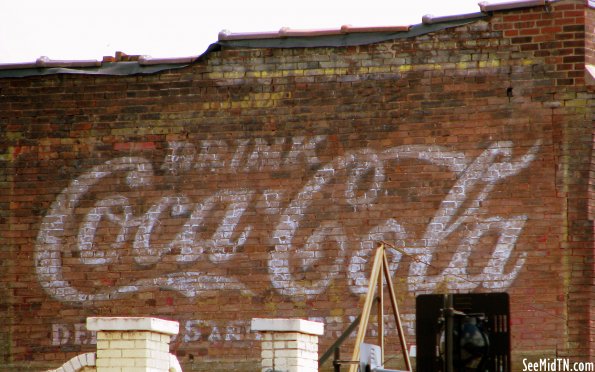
<point>360,179</point>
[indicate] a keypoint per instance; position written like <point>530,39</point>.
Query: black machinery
<point>463,333</point>
<point>454,332</point>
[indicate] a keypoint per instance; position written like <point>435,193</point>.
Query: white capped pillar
<point>288,345</point>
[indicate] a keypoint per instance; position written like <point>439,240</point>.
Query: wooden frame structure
<point>379,267</point>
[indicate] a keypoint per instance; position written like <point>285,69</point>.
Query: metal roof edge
<point>357,36</point>
<point>284,38</point>
<point>107,68</point>
<point>149,61</point>
<point>45,62</point>
<point>429,19</point>
<point>487,6</point>
<point>110,66</point>
<point>287,32</point>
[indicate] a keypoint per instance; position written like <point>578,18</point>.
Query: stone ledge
<point>287,325</point>
<point>133,324</point>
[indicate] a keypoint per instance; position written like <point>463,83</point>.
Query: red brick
<point>379,135</point>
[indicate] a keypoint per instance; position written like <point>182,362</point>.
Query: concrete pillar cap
<point>133,324</point>
<point>287,325</point>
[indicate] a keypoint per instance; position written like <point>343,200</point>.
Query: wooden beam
<point>363,325</point>
<point>393,302</point>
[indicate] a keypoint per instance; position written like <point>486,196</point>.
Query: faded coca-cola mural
<point>257,180</point>
<point>207,207</point>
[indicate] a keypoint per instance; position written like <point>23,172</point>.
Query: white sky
<point>84,29</point>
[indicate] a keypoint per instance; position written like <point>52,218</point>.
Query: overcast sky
<point>83,29</point>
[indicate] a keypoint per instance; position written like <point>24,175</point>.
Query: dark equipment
<point>463,332</point>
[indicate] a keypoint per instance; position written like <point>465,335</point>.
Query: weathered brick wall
<point>255,181</point>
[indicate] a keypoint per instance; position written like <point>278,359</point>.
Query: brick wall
<point>254,183</point>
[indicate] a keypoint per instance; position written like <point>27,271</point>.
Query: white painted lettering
<point>306,257</point>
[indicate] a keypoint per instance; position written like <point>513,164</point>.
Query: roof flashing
<point>487,6</point>
<point>123,64</point>
<point>45,62</point>
<point>286,32</point>
<point>430,19</point>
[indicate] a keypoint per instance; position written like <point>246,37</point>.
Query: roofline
<point>45,62</point>
<point>486,6</point>
<point>287,32</point>
<point>430,19</point>
<point>147,64</point>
